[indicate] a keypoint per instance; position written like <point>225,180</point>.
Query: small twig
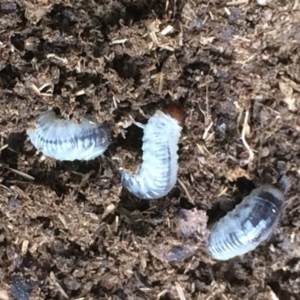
<point>296,4</point>
<point>58,286</point>
<point>161,294</point>
<point>207,129</point>
<point>238,2</point>
<point>180,291</point>
<point>3,147</point>
<point>251,154</point>
<point>186,191</point>
<point>29,177</point>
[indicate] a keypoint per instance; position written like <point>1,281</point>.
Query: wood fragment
<point>29,177</point>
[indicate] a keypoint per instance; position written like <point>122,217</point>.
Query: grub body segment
<point>249,224</point>
<point>157,174</point>
<point>66,140</point>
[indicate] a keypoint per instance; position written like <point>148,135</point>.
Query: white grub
<point>249,224</point>
<point>66,140</point>
<point>157,174</point>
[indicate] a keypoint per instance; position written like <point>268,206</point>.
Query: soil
<point>68,230</point>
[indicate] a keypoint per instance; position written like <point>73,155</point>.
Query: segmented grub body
<point>66,140</point>
<point>157,174</point>
<point>249,224</point>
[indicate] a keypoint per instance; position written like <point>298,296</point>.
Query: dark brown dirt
<point>68,231</point>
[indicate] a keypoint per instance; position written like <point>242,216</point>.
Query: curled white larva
<point>249,224</point>
<point>66,140</point>
<point>157,174</point>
